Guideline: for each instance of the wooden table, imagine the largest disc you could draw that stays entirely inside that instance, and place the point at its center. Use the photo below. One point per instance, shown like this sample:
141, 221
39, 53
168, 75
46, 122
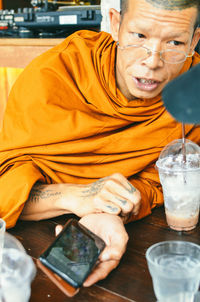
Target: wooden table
130, 281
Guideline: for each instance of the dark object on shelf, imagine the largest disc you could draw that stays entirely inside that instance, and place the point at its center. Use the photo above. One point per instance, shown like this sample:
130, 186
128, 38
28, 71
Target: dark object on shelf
48, 19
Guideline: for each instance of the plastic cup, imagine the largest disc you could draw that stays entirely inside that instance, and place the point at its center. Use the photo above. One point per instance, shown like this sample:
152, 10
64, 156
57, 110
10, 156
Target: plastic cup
2, 233
175, 270
180, 179
17, 272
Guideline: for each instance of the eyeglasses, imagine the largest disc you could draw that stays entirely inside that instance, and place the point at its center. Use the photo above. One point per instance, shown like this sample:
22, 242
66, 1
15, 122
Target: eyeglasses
170, 56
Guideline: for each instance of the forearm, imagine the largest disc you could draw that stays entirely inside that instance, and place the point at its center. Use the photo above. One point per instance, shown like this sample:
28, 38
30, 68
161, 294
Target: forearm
112, 194
45, 202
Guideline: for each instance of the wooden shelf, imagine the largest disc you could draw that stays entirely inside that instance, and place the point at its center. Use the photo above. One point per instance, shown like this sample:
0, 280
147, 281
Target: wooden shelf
19, 52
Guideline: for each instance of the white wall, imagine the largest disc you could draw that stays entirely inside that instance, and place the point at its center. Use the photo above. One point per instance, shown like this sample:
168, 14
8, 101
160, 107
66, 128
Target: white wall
105, 6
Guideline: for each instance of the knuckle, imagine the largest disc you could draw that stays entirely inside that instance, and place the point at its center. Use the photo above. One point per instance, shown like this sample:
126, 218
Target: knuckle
129, 206
137, 196
117, 175
108, 183
127, 210
103, 191
97, 201
124, 238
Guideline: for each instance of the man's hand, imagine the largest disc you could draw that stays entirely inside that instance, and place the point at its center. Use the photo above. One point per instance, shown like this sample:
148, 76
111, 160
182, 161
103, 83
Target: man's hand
113, 194
111, 229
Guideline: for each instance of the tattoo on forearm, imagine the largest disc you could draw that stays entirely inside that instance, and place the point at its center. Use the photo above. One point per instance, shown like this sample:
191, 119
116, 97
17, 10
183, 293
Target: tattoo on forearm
38, 193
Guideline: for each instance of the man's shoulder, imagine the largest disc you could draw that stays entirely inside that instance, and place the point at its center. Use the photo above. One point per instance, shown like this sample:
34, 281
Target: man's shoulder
84, 38
83, 47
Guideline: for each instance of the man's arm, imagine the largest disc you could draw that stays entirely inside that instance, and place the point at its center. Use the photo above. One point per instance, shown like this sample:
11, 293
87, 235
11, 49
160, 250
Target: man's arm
44, 202
113, 194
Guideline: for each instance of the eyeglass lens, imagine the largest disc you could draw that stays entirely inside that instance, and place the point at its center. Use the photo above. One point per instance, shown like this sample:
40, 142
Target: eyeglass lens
142, 53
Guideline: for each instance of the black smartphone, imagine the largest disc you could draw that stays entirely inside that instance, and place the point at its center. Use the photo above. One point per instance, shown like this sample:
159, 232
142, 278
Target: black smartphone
72, 255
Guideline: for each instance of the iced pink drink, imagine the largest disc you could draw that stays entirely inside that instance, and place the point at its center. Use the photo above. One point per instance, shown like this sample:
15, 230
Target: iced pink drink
180, 181
181, 199
180, 223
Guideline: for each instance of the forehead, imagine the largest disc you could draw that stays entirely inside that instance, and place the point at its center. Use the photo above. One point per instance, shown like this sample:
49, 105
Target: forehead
162, 13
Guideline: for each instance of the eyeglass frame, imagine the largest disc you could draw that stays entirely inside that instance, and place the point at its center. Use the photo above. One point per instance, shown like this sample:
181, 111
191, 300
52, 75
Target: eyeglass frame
151, 51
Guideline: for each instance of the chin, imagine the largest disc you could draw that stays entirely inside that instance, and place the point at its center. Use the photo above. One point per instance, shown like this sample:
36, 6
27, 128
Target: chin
145, 94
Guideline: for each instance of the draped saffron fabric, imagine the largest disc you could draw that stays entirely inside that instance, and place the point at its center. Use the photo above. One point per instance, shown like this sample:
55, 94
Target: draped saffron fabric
66, 122
8, 76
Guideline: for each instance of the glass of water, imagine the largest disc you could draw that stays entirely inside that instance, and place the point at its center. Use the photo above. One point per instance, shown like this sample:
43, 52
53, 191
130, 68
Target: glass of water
17, 271
175, 270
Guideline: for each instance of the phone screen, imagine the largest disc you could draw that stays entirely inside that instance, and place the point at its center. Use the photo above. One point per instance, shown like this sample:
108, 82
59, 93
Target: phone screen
74, 253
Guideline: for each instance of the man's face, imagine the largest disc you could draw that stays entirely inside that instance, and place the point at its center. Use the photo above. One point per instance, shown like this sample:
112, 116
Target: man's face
157, 29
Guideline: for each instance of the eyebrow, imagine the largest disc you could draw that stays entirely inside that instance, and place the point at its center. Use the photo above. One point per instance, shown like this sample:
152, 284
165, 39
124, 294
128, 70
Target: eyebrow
178, 35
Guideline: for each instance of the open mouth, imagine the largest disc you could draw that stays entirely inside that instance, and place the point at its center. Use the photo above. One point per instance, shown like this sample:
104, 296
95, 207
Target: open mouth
146, 84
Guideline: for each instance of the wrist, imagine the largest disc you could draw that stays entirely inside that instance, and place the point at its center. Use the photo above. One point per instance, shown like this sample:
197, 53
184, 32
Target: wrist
63, 203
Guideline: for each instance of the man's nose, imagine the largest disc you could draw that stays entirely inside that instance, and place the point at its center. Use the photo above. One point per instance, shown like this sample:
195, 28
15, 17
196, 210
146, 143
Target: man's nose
153, 59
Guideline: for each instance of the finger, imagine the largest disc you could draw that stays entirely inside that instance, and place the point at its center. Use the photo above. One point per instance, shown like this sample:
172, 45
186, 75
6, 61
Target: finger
121, 186
106, 206
124, 181
114, 252
122, 203
137, 206
100, 272
58, 229
137, 203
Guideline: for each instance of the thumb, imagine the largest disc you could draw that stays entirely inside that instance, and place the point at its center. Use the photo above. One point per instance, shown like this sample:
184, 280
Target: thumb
111, 253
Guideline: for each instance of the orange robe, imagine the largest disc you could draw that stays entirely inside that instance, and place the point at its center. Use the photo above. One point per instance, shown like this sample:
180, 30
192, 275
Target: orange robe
66, 122
8, 76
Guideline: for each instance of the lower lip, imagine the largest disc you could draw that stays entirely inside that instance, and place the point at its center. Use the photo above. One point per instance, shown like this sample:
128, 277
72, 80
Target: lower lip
145, 86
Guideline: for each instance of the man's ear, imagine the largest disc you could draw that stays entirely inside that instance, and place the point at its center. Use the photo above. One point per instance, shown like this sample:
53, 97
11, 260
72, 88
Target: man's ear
114, 23
195, 39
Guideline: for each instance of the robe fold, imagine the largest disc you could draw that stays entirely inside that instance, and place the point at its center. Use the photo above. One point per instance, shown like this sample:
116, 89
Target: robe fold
67, 122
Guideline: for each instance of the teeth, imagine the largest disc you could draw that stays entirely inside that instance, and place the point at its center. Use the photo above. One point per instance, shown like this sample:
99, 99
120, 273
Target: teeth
144, 81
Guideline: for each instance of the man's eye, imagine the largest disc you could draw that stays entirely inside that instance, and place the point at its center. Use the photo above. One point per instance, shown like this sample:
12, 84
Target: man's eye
175, 43
138, 35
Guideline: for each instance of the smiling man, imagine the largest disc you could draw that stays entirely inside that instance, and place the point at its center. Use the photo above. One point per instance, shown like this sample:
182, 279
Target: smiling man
85, 123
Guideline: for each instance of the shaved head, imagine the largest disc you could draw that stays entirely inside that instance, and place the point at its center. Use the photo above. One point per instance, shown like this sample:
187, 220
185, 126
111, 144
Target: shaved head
174, 4
166, 4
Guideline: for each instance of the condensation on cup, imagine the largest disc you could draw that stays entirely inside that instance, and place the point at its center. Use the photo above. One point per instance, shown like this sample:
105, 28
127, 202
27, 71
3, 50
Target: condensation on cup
179, 172
17, 271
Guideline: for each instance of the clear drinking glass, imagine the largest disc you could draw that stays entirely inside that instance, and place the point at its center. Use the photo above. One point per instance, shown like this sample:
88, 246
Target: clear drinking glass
17, 271
175, 270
